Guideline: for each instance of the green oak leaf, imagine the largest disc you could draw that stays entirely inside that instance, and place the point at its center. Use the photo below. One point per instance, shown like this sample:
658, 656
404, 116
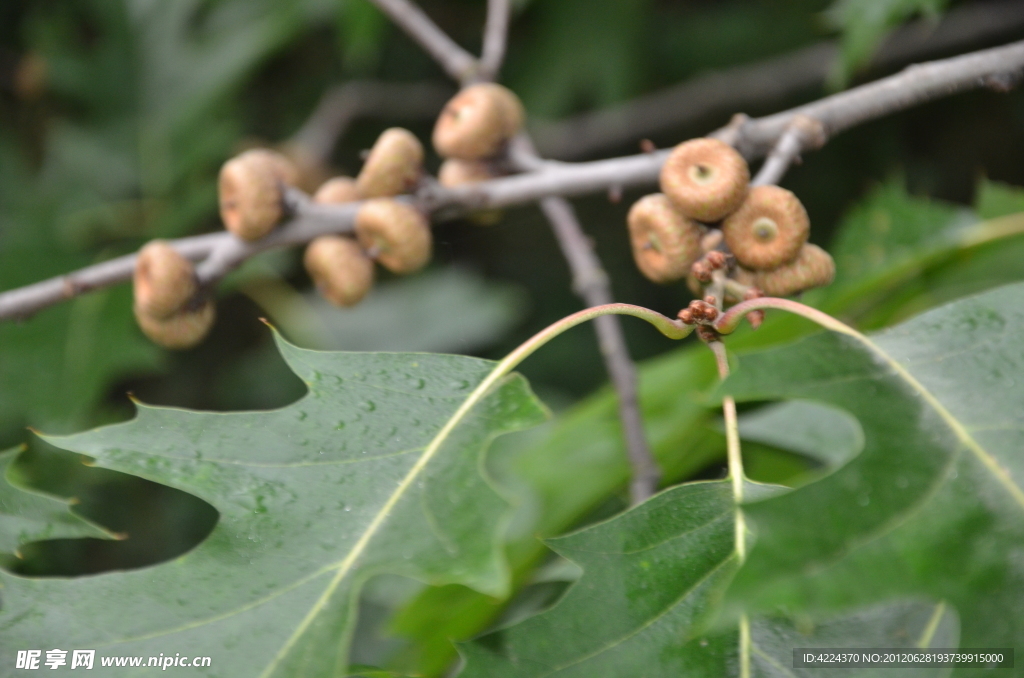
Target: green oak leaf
26, 515
369, 473
933, 505
652, 577
904, 254
907, 624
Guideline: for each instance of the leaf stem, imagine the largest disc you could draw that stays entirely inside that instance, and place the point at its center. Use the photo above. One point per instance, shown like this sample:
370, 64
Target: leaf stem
735, 457
673, 329
730, 320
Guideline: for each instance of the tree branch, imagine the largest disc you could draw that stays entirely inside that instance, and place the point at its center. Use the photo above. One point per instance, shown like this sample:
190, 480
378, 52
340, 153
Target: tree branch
495, 38
591, 283
910, 87
457, 62
803, 133
754, 137
768, 81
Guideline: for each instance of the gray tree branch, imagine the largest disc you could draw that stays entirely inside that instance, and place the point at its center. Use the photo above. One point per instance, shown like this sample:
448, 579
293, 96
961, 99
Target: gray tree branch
495, 38
764, 82
755, 137
457, 62
591, 283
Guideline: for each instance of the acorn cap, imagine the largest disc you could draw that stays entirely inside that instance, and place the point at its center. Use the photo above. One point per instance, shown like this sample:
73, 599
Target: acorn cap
665, 243
398, 235
337, 191
768, 229
251, 190
163, 280
813, 267
394, 165
184, 329
477, 122
455, 172
706, 178
340, 268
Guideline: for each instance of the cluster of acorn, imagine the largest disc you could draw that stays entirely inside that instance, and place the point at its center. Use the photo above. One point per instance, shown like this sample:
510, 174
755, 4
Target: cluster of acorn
709, 219
471, 131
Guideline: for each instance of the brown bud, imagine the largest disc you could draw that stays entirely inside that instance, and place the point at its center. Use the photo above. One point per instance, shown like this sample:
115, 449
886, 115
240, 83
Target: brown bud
706, 179
183, 329
665, 243
477, 122
164, 280
703, 310
394, 165
715, 259
768, 229
686, 315
701, 270
707, 334
397, 233
455, 172
813, 267
755, 318
339, 267
337, 191
251, 188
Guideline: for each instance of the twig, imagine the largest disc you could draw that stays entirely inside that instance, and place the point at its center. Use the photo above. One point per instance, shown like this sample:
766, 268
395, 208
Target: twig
801, 135
495, 38
762, 83
754, 137
343, 104
457, 62
912, 86
589, 279
591, 283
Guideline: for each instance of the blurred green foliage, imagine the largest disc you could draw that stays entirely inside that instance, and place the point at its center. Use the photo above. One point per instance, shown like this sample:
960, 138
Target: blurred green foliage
116, 114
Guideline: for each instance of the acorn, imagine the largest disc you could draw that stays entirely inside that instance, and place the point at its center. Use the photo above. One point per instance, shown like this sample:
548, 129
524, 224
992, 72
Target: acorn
665, 243
181, 330
813, 267
396, 234
164, 280
768, 229
455, 172
394, 165
337, 191
705, 178
251, 189
477, 122
340, 268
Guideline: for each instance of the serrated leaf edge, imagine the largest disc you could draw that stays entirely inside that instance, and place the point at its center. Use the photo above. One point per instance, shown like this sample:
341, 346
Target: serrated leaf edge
345, 565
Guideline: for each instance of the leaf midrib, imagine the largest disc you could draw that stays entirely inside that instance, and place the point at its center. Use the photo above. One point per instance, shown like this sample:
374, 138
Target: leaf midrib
1000, 474
345, 565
